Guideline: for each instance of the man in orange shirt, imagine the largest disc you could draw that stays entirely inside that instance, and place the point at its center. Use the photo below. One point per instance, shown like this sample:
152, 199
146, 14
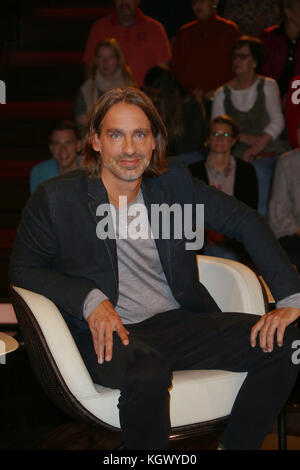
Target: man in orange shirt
202, 49
143, 40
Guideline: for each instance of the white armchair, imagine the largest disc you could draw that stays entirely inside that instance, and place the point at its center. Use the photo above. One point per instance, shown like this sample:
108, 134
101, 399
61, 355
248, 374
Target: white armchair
199, 399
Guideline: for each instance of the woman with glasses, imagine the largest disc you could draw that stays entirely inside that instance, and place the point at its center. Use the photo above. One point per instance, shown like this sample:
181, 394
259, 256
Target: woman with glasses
228, 174
253, 101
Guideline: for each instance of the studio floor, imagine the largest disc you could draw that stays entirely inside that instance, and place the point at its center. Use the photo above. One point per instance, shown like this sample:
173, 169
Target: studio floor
29, 421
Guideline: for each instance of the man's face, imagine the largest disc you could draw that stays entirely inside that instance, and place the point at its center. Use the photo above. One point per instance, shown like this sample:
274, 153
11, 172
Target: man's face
126, 10
126, 143
203, 9
64, 147
293, 14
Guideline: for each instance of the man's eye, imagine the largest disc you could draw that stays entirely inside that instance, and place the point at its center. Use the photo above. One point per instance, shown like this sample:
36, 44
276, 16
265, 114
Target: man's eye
115, 135
140, 135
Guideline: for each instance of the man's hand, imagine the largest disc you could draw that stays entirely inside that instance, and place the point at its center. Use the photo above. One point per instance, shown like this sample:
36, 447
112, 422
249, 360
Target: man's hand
103, 321
277, 319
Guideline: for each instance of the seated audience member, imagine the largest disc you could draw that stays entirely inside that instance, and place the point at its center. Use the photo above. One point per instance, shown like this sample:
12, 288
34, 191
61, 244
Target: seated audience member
109, 71
201, 50
64, 146
143, 40
251, 16
282, 46
253, 101
228, 174
182, 114
284, 209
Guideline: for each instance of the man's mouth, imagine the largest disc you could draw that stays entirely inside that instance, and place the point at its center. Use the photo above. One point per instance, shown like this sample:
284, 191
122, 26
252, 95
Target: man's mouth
130, 163
125, 7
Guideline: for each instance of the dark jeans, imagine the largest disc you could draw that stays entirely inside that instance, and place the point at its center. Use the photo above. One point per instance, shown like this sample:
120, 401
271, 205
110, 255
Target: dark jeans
185, 340
291, 245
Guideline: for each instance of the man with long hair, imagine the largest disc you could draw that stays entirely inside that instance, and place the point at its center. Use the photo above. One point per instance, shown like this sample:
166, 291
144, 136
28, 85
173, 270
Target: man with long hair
134, 304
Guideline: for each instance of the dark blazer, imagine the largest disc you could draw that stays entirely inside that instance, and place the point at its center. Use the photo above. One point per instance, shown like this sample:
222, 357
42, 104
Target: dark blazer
58, 254
245, 184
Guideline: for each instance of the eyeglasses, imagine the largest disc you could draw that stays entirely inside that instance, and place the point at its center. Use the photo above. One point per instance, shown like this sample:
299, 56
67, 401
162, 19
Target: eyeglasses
221, 134
240, 56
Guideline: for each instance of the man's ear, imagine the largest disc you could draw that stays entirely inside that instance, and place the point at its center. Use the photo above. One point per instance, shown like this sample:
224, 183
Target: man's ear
153, 143
96, 144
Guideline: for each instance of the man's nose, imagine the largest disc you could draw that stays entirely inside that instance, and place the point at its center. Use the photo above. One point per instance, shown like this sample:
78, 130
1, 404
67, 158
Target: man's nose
129, 145
63, 149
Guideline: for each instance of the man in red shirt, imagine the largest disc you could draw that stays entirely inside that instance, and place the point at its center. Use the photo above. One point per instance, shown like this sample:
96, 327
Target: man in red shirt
202, 49
143, 40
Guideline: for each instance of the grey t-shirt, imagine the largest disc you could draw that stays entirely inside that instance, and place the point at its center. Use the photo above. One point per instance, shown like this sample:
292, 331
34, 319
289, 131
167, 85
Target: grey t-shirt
143, 288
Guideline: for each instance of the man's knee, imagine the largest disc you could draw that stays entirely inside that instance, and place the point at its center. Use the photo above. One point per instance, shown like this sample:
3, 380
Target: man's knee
149, 372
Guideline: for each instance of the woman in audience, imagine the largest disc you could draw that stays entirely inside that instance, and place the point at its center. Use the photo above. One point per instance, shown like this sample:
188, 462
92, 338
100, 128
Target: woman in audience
229, 174
109, 71
182, 114
253, 101
282, 44
284, 209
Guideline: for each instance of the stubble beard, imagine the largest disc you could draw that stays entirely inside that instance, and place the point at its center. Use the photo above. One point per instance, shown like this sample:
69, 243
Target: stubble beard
128, 174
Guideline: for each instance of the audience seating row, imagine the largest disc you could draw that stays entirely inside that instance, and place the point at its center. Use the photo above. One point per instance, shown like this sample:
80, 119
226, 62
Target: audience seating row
28, 110
86, 12
42, 82
19, 56
56, 32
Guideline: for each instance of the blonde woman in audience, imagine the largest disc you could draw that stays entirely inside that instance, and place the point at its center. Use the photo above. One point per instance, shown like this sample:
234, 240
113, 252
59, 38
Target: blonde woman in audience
109, 71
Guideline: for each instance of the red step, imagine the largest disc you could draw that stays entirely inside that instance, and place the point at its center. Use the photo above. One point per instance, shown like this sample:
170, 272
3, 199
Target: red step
37, 110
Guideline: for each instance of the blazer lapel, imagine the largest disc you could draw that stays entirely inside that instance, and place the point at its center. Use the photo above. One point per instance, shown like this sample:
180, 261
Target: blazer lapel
152, 194
98, 194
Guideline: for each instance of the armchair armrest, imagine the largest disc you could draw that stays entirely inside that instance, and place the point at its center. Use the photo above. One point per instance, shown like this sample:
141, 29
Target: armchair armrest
234, 286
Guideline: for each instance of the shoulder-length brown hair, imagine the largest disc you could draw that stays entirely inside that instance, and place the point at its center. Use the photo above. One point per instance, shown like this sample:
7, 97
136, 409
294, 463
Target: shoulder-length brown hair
92, 159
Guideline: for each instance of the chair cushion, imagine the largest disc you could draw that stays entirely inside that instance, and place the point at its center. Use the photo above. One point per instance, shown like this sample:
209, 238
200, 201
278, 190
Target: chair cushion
196, 396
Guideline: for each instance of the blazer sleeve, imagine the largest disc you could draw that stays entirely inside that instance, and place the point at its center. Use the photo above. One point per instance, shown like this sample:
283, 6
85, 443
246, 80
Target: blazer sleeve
33, 261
